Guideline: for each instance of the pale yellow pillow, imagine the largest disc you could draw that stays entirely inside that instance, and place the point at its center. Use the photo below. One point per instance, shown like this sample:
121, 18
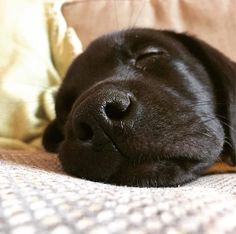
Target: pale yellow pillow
36, 48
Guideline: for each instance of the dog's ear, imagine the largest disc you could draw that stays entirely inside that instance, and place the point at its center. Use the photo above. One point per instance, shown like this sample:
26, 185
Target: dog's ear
52, 137
54, 133
222, 72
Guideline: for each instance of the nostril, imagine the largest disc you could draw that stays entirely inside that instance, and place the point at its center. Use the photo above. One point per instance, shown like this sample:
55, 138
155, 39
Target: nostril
117, 110
84, 132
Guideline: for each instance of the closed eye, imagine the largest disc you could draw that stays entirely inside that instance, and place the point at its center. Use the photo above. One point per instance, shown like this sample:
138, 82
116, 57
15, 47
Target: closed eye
144, 56
150, 51
149, 55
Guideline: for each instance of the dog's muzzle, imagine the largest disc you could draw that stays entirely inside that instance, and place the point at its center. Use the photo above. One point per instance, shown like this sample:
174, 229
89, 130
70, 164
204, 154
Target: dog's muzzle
102, 116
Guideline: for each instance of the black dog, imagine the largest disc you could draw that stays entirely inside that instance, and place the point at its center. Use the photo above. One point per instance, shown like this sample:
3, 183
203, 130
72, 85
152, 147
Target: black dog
143, 107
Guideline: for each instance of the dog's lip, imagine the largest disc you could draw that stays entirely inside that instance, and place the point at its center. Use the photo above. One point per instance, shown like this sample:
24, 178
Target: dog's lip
133, 174
144, 169
112, 141
140, 168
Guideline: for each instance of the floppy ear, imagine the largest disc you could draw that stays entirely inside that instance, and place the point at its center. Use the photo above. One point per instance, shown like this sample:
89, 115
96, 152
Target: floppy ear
222, 72
52, 137
54, 134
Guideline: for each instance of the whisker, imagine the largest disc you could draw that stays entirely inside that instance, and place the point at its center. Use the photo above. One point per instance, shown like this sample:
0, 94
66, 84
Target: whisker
205, 134
139, 13
222, 121
130, 17
226, 139
228, 143
221, 117
116, 14
229, 126
211, 118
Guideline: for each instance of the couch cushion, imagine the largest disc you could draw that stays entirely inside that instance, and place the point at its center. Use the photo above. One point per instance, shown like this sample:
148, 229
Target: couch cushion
212, 21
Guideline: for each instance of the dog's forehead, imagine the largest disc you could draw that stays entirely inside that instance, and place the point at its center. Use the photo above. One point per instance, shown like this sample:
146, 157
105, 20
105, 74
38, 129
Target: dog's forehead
113, 54
132, 40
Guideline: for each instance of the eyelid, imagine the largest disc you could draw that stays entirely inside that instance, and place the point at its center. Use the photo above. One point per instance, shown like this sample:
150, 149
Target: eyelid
149, 51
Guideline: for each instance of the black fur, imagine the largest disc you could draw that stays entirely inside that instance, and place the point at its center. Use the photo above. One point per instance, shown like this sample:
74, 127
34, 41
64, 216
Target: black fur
144, 107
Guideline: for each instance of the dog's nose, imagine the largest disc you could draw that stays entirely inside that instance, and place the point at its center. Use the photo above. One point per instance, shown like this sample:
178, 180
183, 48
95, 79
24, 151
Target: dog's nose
99, 112
117, 108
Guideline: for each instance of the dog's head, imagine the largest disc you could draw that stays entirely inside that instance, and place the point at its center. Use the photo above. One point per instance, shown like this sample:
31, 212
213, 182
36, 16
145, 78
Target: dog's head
144, 107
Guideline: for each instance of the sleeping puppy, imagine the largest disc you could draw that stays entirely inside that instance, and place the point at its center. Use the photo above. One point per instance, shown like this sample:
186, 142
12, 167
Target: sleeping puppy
144, 107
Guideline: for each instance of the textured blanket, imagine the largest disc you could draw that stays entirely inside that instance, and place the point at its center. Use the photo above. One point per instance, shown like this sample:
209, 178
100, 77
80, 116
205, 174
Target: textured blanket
37, 197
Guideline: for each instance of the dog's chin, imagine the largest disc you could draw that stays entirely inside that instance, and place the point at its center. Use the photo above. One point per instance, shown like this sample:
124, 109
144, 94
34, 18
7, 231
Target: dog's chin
162, 173
114, 168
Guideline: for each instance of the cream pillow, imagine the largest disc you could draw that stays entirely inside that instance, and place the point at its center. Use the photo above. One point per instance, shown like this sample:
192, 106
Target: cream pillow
36, 48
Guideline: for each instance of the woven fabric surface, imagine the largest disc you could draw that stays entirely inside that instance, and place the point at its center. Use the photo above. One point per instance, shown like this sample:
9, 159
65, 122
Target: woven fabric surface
37, 197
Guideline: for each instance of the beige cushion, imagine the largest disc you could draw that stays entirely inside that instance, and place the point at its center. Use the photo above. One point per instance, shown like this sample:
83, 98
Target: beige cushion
212, 21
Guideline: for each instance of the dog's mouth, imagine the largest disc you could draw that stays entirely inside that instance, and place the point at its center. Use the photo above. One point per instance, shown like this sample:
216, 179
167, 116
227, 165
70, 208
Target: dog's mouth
112, 165
131, 173
126, 161
141, 175
159, 173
